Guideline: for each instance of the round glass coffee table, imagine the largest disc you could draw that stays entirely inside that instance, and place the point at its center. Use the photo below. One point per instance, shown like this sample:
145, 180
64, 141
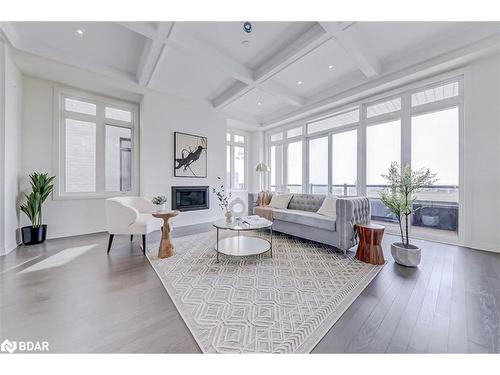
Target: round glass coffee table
242, 246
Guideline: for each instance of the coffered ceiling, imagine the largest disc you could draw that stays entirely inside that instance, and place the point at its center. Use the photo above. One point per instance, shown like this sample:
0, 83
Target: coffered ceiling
264, 77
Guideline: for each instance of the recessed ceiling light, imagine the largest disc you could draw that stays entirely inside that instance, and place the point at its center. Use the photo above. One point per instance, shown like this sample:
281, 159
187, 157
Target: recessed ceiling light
299, 83
330, 66
259, 103
79, 31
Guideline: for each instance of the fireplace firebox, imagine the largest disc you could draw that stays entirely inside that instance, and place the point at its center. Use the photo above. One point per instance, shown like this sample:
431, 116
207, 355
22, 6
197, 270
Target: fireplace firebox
190, 198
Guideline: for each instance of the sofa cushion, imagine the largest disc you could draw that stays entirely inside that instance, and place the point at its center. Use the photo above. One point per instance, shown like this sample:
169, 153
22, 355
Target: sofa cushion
306, 202
329, 207
280, 200
311, 219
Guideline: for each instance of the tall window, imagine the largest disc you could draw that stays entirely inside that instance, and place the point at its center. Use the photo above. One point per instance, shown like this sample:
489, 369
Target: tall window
344, 163
318, 165
276, 163
79, 156
236, 161
416, 126
294, 167
383, 146
118, 158
96, 146
435, 145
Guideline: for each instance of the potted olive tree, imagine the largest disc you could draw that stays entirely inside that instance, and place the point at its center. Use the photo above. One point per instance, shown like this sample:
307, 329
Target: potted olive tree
399, 198
41, 187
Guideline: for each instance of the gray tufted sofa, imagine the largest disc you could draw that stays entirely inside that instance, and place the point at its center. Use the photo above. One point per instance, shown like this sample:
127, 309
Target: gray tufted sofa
300, 219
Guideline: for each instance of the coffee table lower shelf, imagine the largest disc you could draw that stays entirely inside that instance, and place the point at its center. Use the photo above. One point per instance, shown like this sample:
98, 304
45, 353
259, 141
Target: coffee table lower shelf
242, 246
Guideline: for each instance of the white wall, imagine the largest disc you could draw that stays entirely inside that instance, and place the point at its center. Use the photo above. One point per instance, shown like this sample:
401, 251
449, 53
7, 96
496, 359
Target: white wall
482, 154
63, 217
161, 116
257, 155
2, 147
11, 149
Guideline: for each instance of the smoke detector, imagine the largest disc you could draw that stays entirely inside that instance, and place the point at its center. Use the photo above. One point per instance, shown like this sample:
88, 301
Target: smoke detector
247, 27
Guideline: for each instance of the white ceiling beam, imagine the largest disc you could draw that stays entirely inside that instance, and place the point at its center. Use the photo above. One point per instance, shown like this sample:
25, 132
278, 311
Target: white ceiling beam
239, 89
348, 37
152, 52
305, 43
396, 75
201, 52
231, 94
208, 55
243, 117
141, 28
54, 54
76, 61
281, 92
9, 33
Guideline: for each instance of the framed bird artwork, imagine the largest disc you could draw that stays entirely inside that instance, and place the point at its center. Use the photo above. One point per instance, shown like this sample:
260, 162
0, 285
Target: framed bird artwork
190, 155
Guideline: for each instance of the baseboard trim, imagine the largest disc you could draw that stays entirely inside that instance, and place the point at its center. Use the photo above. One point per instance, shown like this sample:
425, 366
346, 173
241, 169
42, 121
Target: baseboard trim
6, 250
186, 230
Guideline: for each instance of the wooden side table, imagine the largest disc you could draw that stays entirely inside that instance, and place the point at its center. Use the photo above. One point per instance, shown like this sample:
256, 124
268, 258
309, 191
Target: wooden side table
166, 248
370, 239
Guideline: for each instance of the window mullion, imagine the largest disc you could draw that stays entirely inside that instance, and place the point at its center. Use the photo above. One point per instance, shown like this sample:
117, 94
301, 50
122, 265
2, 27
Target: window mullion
306, 186
232, 173
100, 150
406, 129
280, 161
285, 165
330, 163
361, 158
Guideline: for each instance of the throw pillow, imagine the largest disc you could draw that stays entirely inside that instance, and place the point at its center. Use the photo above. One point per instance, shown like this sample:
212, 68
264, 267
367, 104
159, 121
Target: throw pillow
264, 198
280, 200
329, 207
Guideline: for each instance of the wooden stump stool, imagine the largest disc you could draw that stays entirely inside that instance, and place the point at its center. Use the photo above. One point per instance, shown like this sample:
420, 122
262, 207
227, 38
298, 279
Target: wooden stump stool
370, 239
166, 248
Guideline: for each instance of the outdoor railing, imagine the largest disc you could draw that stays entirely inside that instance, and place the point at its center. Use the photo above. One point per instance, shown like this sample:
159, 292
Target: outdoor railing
345, 189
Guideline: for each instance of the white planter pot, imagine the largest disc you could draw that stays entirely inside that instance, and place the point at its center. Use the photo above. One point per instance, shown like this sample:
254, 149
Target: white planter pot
406, 256
161, 207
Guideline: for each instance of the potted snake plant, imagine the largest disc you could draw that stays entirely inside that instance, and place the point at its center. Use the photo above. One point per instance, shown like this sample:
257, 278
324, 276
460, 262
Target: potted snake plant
41, 188
403, 184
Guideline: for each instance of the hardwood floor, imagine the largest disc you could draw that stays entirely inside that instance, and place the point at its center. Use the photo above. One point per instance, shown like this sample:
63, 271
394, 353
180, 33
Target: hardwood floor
70, 293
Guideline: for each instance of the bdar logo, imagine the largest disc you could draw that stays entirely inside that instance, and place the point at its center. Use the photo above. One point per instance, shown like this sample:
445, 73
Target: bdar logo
8, 346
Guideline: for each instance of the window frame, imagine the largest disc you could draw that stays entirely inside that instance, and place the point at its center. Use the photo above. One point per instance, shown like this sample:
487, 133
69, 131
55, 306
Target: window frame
344, 110
60, 114
232, 143
404, 115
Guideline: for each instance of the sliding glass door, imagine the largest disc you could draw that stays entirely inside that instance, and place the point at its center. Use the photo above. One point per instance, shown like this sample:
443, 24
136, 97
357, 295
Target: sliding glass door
435, 145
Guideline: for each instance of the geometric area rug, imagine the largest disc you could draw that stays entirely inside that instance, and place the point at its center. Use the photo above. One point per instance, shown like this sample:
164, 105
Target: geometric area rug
259, 304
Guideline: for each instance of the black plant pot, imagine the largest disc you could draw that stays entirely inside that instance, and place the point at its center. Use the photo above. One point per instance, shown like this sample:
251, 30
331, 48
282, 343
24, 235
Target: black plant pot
34, 235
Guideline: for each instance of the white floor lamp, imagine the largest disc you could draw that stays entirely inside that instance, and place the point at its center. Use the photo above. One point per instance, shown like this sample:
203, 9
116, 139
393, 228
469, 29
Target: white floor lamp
261, 168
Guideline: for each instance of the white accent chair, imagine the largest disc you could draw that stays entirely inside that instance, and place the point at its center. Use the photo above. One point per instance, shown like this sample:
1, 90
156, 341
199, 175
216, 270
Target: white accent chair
131, 215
